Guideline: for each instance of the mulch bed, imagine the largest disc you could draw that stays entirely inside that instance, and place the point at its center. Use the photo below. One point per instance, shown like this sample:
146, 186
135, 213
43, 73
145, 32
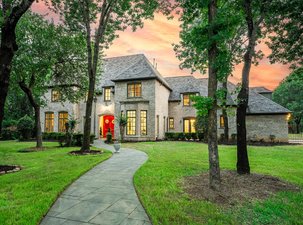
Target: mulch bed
235, 188
9, 169
90, 152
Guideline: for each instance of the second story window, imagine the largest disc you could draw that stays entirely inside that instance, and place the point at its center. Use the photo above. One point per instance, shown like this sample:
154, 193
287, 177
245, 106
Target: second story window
134, 90
187, 99
55, 96
107, 93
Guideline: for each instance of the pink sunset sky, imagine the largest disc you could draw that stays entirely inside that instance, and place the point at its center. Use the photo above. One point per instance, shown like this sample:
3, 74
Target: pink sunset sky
155, 40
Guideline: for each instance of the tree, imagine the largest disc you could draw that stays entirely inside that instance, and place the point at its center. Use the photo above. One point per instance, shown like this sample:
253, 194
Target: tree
10, 13
289, 94
48, 55
108, 16
284, 26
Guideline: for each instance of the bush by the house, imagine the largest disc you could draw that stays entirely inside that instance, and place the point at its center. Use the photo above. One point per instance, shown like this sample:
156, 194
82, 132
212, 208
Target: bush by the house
233, 137
180, 136
109, 137
25, 127
272, 138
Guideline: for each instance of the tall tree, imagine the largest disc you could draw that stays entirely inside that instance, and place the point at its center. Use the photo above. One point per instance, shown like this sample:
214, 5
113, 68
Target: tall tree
206, 31
254, 18
48, 55
10, 13
289, 94
107, 17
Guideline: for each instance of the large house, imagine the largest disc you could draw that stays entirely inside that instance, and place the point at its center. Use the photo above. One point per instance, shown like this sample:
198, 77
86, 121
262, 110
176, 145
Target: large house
153, 104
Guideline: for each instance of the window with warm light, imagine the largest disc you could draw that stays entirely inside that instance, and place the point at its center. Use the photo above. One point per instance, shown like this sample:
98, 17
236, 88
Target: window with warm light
131, 122
134, 90
189, 125
187, 99
49, 122
62, 119
171, 123
107, 94
221, 121
143, 122
55, 96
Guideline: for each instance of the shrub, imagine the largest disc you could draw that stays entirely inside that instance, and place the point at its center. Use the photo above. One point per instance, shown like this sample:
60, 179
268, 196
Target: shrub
176, 136
77, 139
109, 137
9, 134
9, 123
194, 136
200, 136
181, 136
188, 136
169, 136
25, 126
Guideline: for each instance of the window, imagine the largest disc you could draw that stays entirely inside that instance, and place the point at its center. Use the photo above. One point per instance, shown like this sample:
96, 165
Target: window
221, 121
143, 118
186, 99
189, 125
49, 122
107, 92
157, 125
63, 119
171, 123
134, 90
131, 122
55, 96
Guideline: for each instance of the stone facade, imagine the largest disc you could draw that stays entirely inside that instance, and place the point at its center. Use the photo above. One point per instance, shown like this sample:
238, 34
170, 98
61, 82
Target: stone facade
162, 99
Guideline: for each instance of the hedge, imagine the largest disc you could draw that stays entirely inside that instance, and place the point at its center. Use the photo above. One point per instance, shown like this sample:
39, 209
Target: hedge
180, 136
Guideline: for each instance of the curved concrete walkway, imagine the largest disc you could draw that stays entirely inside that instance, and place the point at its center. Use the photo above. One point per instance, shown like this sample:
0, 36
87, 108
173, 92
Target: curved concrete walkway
104, 195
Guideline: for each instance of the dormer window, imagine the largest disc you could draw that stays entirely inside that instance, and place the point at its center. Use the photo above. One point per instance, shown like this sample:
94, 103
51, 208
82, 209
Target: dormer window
134, 90
56, 96
107, 94
186, 99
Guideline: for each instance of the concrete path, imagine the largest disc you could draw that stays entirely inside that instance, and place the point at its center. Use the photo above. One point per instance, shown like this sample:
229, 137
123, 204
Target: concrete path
104, 195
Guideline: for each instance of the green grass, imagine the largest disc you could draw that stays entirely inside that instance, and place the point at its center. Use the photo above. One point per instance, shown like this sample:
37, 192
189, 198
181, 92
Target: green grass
158, 184
27, 195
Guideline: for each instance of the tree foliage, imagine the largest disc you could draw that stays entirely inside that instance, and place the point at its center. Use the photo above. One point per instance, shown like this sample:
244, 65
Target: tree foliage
290, 95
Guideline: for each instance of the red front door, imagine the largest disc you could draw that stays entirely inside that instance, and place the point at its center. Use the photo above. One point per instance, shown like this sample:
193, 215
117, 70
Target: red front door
108, 123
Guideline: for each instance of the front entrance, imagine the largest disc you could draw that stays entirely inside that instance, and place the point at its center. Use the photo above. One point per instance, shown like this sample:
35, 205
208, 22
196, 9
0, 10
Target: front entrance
108, 122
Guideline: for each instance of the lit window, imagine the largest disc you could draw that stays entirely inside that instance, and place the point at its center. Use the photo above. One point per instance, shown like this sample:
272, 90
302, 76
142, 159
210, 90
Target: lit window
171, 123
55, 96
189, 125
49, 122
134, 90
221, 121
187, 99
63, 119
131, 122
143, 118
107, 94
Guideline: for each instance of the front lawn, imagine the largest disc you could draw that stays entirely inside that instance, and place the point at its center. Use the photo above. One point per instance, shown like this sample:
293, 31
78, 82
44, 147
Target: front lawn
158, 184
27, 195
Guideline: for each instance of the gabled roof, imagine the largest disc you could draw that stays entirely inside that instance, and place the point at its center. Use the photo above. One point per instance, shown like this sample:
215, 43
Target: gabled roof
261, 89
258, 104
189, 84
127, 68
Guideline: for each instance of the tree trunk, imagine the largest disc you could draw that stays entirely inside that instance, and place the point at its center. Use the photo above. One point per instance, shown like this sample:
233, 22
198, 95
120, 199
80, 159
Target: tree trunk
224, 113
7, 51
298, 127
214, 169
242, 155
9, 46
36, 107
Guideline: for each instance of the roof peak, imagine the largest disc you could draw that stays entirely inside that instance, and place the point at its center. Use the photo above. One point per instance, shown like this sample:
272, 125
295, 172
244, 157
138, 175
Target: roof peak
122, 56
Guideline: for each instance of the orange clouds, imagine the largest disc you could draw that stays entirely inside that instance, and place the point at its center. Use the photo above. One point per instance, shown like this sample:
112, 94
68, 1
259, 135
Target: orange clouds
155, 41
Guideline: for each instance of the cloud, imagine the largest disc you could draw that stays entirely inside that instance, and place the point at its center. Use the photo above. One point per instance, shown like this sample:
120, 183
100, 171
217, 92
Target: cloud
155, 40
